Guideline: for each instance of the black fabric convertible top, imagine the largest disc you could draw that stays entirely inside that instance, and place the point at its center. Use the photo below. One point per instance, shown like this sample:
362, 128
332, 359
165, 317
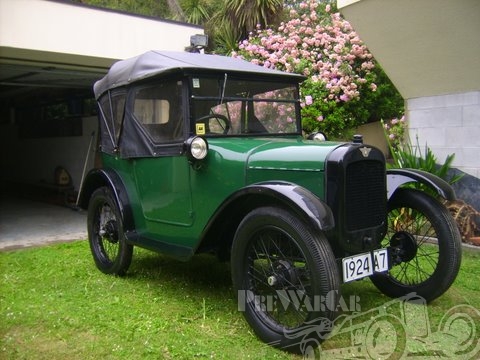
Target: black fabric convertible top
153, 63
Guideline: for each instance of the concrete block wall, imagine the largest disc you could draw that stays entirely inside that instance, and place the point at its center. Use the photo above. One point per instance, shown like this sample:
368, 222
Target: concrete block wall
448, 124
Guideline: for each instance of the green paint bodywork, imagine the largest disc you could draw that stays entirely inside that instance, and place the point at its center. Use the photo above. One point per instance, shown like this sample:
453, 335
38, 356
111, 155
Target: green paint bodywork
172, 202
151, 107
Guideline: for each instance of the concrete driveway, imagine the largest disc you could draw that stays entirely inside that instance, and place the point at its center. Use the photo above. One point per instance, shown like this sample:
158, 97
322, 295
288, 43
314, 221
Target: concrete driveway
25, 223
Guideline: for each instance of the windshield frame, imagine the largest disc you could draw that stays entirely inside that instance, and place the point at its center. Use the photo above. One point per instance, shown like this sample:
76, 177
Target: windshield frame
249, 100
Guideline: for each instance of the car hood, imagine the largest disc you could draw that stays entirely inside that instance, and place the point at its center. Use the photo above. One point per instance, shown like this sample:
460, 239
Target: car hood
276, 153
281, 154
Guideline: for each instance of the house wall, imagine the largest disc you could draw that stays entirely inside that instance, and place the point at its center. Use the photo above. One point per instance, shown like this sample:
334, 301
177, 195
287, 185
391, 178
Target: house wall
448, 124
373, 134
55, 31
426, 47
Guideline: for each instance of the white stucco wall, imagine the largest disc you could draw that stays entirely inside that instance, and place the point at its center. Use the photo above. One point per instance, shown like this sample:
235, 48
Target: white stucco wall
448, 124
426, 47
65, 28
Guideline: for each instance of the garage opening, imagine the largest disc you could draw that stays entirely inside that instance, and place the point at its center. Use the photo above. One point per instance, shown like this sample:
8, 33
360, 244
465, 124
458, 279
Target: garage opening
48, 125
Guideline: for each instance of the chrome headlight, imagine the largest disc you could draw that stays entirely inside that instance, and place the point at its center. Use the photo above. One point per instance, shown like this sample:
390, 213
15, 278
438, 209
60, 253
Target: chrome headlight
196, 148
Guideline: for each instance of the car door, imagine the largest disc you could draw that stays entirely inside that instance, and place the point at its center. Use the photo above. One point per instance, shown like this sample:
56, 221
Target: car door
162, 179
164, 189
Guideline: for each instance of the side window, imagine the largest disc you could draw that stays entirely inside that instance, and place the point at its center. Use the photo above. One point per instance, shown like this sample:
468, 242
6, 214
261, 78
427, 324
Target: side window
152, 111
158, 109
112, 108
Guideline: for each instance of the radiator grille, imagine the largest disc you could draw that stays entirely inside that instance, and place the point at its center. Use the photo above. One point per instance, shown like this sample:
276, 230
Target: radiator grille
365, 194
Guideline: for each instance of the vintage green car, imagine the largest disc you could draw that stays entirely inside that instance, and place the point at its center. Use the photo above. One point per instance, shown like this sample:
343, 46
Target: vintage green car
204, 153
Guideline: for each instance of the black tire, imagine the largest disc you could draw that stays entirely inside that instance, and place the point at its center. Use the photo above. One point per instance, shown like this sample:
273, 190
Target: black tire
287, 278
108, 245
426, 246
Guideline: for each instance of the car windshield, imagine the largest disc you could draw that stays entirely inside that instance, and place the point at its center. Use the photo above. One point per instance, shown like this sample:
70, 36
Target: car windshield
230, 106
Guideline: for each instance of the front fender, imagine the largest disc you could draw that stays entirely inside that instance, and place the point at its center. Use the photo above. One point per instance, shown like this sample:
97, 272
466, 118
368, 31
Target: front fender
221, 228
398, 177
303, 202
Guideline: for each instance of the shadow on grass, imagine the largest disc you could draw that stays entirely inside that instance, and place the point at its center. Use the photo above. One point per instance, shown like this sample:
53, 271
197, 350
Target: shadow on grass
203, 270
205, 275
203, 279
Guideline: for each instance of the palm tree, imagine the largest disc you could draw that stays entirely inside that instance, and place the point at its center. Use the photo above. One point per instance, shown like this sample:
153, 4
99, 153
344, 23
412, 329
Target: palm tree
235, 19
196, 11
247, 14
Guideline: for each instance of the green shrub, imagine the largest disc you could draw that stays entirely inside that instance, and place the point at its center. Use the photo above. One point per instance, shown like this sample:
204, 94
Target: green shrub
404, 155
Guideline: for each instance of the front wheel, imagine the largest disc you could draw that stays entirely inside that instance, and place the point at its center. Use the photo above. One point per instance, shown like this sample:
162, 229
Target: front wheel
108, 245
425, 247
286, 278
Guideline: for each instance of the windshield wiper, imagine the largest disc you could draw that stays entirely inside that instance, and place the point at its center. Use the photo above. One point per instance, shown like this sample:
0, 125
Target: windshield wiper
223, 88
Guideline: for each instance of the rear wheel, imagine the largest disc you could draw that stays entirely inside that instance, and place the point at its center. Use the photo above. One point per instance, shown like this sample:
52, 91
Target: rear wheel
425, 246
108, 245
286, 278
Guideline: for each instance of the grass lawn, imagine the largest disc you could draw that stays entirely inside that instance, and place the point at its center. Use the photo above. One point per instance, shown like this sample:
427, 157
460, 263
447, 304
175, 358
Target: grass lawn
55, 304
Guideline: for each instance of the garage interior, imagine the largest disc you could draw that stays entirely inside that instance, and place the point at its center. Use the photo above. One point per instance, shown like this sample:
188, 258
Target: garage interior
51, 53
48, 122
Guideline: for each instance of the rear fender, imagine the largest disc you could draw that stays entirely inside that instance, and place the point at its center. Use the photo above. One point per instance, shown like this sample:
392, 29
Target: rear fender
97, 178
398, 177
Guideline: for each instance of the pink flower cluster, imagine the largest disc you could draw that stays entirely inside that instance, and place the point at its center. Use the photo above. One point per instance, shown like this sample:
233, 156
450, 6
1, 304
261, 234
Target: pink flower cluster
395, 130
322, 46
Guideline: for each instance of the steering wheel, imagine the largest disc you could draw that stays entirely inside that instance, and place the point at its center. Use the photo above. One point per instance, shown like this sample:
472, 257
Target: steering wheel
215, 116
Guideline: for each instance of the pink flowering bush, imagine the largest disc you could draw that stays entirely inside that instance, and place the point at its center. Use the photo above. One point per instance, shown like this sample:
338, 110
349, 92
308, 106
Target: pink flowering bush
339, 92
395, 131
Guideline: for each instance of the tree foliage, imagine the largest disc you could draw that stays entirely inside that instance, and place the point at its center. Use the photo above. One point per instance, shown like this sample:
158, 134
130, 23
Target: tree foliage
248, 14
156, 8
233, 20
341, 91
196, 11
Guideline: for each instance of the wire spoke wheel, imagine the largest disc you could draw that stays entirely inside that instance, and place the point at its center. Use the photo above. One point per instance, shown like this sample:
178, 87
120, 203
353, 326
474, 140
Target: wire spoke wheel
425, 247
278, 270
106, 231
285, 269
417, 242
111, 253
